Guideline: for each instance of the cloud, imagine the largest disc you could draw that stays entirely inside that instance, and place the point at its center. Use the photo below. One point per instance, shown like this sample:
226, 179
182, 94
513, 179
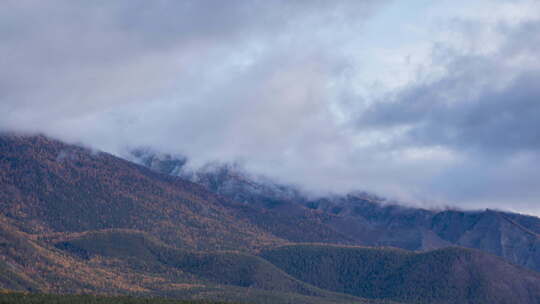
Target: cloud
79, 58
200, 72
483, 111
332, 95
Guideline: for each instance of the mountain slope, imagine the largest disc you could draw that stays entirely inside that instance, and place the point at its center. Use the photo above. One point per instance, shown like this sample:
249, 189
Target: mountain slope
496, 232
451, 275
144, 253
47, 186
359, 218
277, 209
31, 265
76, 221
492, 231
134, 263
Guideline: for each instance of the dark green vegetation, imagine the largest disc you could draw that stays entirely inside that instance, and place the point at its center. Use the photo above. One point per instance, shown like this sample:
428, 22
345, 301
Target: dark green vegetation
451, 275
227, 268
134, 263
77, 221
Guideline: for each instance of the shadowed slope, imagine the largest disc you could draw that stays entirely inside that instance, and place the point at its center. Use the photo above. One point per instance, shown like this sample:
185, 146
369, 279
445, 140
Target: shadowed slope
495, 232
451, 275
135, 263
358, 218
227, 268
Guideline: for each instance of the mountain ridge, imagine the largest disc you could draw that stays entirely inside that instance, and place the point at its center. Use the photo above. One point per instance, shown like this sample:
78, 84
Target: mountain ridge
364, 219
80, 221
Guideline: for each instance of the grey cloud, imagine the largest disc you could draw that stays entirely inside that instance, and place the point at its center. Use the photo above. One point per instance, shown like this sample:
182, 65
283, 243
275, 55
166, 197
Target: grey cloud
268, 84
74, 58
481, 103
496, 120
227, 80
485, 111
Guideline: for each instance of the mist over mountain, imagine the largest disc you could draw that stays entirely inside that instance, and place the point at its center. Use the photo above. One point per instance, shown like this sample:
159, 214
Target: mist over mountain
432, 103
251, 151
366, 219
75, 220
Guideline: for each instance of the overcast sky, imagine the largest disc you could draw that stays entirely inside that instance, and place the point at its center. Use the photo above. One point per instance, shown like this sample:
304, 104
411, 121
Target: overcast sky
431, 102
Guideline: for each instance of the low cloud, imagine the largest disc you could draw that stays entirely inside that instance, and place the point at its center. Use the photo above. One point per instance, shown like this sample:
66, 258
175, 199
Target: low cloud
331, 95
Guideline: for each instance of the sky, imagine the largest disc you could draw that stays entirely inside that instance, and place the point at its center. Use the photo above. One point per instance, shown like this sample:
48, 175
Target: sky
433, 103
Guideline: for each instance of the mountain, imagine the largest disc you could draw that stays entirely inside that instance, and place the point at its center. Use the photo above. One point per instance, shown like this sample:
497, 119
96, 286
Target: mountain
73, 220
50, 187
450, 275
363, 219
274, 207
511, 236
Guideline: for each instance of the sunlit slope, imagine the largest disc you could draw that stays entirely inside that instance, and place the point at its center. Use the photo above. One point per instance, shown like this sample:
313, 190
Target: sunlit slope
47, 186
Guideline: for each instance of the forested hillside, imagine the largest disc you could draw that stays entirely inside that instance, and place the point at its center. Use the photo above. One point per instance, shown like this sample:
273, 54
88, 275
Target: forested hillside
359, 218
451, 275
50, 187
76, 221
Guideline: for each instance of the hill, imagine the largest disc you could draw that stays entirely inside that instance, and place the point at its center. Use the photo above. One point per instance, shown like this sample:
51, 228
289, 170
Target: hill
136, 264
32, 265
142, 253
450, 275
